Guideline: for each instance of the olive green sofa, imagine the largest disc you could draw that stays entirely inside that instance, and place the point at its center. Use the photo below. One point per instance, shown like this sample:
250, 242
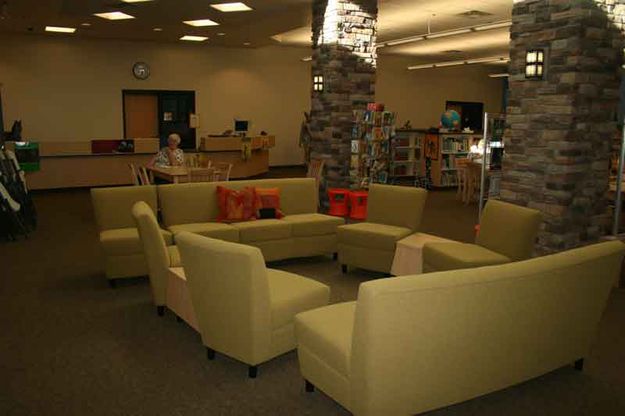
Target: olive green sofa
193, 208
412, 344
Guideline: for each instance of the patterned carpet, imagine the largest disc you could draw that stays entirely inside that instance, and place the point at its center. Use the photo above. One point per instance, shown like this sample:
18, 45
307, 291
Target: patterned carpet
70, 345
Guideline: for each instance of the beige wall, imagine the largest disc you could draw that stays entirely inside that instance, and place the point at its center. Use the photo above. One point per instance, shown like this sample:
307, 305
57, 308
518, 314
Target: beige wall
420, 95
66, 88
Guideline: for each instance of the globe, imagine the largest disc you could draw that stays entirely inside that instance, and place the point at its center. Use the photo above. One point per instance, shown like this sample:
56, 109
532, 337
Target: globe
450, 120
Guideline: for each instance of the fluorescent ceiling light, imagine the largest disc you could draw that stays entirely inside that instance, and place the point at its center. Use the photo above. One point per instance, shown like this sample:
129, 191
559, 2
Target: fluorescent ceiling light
448, 33
58, 29
136, 1
200, 23
490, 26
158, 29
502, 75
114, 16
231, 7
487, 60
221, 34
403, 41
456, 63
85, 24
461, 31
247, 43
194, 38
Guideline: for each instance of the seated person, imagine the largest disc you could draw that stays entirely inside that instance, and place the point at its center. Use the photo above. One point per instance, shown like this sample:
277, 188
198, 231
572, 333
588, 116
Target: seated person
170, 155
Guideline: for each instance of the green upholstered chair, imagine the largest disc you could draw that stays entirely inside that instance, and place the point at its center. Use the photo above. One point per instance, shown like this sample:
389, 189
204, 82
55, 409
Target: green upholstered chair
159, 256
393, 212
243, 309
507, 233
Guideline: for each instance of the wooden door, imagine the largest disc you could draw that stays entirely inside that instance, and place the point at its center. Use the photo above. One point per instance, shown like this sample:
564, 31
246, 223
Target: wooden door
141, 116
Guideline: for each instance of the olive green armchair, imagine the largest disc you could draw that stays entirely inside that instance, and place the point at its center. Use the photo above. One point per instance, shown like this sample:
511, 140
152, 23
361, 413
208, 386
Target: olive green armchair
507, 233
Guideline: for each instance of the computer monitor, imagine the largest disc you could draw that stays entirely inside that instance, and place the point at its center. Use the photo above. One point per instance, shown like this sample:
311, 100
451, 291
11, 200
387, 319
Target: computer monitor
241, 126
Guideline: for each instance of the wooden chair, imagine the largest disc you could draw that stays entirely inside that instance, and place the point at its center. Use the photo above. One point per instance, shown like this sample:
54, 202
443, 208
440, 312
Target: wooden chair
223, 171
135, 180
202, 175
462, 167
144, 177
315, 170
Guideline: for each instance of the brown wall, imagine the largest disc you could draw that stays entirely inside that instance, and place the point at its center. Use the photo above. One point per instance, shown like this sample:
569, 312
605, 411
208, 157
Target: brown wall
67, 88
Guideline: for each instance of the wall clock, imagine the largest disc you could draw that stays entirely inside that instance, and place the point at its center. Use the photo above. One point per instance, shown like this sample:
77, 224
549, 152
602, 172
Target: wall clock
141, 70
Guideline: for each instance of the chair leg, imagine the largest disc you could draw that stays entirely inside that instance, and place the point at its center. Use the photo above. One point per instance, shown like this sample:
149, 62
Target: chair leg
112, 283
579, 364
344, 268
210, 353
252, 371
309, 386
160, 310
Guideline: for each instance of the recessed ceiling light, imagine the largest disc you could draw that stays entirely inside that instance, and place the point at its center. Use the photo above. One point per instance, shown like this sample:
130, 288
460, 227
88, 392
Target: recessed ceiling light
158, 29
135, 1
221, 34
231, 7
194, 38
201, 22
114, 16
247, 43
58, 29
85, 24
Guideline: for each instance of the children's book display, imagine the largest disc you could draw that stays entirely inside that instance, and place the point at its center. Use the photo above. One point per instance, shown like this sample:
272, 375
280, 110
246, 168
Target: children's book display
371, 135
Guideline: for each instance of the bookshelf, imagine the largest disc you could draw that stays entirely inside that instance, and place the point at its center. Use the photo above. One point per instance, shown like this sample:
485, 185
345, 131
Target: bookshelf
442, 150
370, 147
405, 159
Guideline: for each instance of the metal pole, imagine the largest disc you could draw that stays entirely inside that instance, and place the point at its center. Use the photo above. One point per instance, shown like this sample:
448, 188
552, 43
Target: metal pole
483, 177
619, 179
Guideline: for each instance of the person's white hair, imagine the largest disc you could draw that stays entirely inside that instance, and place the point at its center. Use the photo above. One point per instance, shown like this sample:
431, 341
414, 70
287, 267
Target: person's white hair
174, 137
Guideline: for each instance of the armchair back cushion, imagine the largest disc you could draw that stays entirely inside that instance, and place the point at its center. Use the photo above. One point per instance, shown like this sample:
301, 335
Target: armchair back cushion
509, 229
400, 206
427, 341
154, 249
230, 295
113, 206
197, 202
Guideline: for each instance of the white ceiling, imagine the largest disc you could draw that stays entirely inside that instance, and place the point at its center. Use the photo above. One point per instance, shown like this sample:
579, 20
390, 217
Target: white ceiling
288, 21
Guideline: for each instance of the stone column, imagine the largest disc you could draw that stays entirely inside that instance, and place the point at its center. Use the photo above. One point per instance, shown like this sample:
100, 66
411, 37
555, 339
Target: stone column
344, 53
560, 128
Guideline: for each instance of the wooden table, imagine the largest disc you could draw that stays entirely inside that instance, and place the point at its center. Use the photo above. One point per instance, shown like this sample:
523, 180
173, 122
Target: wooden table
179, 298
170, 174
409, 253
178, 174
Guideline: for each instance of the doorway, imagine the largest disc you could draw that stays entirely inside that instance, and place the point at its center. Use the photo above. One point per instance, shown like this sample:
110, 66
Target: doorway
157, 113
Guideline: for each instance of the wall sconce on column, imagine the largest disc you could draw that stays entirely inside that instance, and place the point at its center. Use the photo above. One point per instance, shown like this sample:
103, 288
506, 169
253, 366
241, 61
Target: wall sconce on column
535, 64
318, 83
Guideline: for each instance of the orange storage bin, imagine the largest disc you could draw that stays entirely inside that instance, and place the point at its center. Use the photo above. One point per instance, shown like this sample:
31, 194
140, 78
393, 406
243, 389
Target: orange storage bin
338, 199
358, 202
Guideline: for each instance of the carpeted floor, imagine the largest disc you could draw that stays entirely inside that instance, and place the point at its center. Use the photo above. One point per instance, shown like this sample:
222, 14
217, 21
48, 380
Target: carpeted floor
70, 345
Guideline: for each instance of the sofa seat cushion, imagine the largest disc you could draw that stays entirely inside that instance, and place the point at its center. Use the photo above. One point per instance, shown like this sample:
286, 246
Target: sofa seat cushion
263, 230
307, 225
216, 230
453, 256
327, 333
371, 235
125, 241
291, 294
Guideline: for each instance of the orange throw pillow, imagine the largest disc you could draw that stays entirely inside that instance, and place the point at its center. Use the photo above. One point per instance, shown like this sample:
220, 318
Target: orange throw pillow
268, 198
236, 206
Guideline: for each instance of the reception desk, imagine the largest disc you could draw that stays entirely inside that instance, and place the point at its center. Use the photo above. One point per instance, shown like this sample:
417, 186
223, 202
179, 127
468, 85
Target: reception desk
254, 162
74, 164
